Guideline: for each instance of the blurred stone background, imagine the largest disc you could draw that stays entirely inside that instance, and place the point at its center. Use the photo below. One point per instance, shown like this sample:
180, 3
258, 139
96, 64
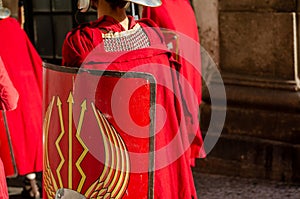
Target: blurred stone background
255, 44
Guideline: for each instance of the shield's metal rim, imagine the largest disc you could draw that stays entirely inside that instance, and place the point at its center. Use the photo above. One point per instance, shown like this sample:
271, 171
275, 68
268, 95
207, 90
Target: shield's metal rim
123, 74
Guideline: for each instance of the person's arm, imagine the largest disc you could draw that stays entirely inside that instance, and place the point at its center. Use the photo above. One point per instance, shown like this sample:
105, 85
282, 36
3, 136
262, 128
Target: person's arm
78, 44
8, 94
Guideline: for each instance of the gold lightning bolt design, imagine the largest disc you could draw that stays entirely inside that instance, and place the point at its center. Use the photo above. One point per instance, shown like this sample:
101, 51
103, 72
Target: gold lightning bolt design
70, 172
58, 141
85, 151
114, 179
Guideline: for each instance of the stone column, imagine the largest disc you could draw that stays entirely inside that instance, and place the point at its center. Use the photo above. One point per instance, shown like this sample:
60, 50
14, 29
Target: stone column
258, 59
207, 18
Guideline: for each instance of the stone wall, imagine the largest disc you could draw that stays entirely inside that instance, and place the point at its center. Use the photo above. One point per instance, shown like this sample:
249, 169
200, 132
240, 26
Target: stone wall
257, 54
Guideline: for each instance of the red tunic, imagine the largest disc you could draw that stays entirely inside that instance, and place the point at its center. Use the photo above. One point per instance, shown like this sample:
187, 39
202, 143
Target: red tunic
183, 23
173, 176
24, 67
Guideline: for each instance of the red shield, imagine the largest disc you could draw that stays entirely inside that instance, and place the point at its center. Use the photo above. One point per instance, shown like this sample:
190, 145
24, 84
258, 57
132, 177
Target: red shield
98, 132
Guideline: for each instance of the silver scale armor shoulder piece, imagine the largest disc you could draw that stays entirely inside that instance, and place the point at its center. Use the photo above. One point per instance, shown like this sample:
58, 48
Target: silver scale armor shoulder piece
128, 40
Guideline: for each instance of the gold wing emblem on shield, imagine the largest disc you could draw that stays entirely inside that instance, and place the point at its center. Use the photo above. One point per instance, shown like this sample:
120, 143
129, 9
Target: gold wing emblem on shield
114, 179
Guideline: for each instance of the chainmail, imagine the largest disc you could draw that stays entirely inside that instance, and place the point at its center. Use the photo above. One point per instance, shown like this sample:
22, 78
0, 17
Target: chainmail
128, 40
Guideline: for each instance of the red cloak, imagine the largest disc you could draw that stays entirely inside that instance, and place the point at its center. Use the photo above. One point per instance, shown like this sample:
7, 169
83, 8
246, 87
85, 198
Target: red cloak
172, 180
168, 16
24, 67
3, 186
8, 94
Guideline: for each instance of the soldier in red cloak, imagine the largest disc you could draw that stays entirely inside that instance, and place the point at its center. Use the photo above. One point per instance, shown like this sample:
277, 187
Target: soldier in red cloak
117, 42
24, 66
8, 101
167, 16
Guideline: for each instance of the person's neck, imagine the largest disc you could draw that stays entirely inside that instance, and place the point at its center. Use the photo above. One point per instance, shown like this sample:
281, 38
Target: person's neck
119, 14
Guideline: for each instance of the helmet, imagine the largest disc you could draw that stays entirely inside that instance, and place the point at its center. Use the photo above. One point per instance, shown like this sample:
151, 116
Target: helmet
149, 3
4, 12
84, 5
